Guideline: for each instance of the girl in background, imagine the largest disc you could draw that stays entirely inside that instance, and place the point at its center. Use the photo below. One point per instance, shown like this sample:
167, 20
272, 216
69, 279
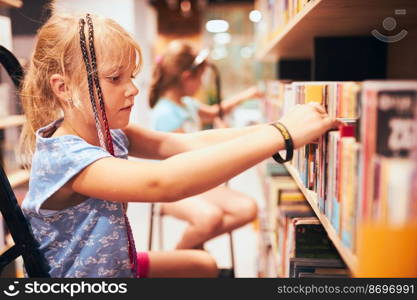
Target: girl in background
176, 78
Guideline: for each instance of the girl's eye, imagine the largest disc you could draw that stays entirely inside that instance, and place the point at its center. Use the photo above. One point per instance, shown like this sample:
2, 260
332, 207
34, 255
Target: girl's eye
114, 78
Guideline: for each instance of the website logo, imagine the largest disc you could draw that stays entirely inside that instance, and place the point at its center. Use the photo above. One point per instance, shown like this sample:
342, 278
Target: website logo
11, 290
390, 24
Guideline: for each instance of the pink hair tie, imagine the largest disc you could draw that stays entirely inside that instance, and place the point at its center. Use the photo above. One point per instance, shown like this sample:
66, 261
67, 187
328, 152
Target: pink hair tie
159, 59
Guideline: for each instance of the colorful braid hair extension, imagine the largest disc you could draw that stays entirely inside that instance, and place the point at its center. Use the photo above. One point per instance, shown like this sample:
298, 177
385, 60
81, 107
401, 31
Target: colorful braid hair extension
97, 84
84, 50
92, 76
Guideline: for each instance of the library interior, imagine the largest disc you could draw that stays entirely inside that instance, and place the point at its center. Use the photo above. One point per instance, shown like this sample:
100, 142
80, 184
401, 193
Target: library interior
208, 188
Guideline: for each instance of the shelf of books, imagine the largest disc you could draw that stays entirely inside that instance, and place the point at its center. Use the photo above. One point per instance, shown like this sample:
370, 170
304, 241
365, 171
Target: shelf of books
348, 257
13, 120
360, 179
292, 240
288, 27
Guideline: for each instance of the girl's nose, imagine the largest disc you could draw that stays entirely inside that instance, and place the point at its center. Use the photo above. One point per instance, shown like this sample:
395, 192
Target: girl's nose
132, 90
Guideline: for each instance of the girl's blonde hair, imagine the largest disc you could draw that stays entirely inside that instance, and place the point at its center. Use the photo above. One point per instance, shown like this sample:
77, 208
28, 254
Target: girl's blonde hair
57, 51
178, 58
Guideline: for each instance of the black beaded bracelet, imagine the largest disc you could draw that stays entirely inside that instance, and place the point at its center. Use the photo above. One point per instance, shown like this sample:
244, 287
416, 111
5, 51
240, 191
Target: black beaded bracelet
289, 145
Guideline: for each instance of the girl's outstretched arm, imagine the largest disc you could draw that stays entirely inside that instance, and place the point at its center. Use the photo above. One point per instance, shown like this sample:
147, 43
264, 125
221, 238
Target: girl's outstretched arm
196, 171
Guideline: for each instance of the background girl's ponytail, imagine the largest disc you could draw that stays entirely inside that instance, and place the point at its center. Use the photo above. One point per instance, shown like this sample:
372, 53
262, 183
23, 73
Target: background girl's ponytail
155, 89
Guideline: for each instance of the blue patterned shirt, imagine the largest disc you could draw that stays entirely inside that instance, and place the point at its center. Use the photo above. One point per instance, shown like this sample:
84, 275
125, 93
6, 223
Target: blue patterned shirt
86, 240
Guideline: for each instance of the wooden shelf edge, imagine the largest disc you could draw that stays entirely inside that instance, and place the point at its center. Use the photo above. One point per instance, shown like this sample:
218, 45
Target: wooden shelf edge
263, 53
348, 257
12, 3
13, 120
19, 177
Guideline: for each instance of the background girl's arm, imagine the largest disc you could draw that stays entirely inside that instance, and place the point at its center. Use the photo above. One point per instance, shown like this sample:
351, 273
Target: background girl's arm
209, 112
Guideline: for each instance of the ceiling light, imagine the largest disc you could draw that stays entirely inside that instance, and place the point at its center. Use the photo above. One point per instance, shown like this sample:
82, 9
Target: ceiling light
255, 16
217, 26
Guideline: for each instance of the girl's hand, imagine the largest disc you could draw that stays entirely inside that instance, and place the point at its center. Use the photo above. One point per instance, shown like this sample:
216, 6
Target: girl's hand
307, 122
252, 92
249, 93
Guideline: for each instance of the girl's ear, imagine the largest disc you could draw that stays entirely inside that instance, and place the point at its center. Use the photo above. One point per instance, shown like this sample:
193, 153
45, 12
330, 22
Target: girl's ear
185, 75
59, 87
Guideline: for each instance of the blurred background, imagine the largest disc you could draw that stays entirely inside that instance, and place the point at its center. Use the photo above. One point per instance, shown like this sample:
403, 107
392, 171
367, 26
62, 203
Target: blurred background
225, 27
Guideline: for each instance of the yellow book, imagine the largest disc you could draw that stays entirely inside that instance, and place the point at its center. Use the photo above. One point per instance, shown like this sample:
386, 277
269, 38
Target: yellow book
314, 93
291, 197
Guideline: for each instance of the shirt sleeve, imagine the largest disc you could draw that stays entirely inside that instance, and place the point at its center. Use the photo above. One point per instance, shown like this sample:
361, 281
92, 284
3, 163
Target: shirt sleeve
168, 120
192, 104
55, 163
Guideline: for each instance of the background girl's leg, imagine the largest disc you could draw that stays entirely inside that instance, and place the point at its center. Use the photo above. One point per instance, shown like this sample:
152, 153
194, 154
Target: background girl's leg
204, 219
181, 264
210, 214
238, 209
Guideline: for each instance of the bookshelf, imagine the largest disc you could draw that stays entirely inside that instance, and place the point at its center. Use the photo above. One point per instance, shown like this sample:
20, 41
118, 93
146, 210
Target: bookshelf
294, 33
12, 3
12, 120
347, 18
347, 255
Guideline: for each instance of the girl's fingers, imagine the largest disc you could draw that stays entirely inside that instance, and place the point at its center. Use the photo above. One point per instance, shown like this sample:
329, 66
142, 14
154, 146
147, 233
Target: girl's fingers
319, 108
334, 123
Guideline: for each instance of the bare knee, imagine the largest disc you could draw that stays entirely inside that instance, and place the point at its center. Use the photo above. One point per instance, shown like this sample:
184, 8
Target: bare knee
202, 264
251, 209
247, 210
209, 221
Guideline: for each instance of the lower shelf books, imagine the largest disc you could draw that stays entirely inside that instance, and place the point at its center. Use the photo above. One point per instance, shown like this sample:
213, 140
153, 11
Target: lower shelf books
274, 185
287, 211
275, 179
316, 267
307, 239
289, 229
310, 239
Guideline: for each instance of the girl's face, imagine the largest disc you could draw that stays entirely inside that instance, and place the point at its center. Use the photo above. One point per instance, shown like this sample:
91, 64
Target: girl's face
118, 92
192, 83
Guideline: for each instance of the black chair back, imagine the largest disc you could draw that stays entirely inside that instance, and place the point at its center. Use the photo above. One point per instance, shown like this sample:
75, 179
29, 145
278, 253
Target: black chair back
20, 230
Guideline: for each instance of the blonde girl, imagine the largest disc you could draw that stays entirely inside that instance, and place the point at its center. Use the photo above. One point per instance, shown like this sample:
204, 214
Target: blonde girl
77, 96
